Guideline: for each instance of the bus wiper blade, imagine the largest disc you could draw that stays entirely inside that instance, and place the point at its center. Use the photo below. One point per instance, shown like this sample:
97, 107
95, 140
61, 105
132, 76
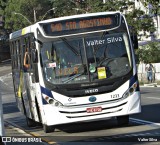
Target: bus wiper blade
71, 47
71, 78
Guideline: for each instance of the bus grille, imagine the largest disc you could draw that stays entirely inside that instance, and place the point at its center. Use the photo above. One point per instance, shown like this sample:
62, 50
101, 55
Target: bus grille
83, 113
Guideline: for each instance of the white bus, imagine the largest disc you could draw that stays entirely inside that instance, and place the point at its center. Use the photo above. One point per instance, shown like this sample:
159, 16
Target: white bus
75, 68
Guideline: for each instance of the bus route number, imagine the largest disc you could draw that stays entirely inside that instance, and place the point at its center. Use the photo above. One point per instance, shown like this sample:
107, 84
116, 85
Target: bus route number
115, 96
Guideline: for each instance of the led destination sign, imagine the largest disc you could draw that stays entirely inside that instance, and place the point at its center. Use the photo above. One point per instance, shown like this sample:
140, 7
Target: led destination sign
80, 25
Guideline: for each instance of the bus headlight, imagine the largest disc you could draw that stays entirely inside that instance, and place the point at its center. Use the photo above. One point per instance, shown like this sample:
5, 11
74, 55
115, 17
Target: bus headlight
130, 91
52, 101
57, 104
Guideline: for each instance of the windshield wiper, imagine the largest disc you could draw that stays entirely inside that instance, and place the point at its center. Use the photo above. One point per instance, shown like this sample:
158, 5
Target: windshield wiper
70, 46
72, 77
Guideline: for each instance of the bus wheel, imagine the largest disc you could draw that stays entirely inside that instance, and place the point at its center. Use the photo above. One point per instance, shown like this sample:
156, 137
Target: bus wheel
123, 120
48, 129
30, 122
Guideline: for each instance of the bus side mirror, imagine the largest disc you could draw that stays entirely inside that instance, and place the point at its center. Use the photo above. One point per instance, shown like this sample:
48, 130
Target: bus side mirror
136, 59
134, 37
34, 56
134, 41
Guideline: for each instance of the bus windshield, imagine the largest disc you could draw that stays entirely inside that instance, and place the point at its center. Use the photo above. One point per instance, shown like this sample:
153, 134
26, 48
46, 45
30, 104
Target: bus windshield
86, 58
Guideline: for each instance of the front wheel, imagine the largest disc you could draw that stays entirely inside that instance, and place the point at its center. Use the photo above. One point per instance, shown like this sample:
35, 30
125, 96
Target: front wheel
123, 120
48, 129
31, 122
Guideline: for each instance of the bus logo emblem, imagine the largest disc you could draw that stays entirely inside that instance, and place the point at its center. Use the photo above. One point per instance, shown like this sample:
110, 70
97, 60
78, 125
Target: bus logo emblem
91, 91
92, 99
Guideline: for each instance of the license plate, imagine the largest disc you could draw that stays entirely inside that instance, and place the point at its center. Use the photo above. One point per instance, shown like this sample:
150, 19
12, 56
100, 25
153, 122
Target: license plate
94, 109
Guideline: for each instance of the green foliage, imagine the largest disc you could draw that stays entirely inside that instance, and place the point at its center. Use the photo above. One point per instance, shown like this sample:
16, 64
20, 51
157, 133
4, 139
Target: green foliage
144, 23
94, 6
116, 5
63, 7
3, 4
149, 53
26, 8
153, 6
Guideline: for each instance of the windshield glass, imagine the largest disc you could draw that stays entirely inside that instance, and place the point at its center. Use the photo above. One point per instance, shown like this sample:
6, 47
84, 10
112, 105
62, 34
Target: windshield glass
87, 58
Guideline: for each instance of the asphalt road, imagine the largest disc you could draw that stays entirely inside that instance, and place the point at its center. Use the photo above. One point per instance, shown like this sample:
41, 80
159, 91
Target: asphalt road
150, 104
143, 128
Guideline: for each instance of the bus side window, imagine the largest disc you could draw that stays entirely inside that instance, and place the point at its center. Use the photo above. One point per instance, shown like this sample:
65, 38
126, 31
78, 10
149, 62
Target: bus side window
18, 54
27, 57
34, 57
15, 56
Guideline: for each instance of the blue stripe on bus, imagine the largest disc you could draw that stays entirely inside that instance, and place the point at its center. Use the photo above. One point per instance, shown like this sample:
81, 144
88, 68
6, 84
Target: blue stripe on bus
46, 92
133, 80
44, 101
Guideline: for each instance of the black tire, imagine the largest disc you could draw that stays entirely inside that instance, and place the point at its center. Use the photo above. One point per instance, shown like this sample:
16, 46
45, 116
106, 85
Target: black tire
31, 122
38, 111
123, 120
24, 109
48, 129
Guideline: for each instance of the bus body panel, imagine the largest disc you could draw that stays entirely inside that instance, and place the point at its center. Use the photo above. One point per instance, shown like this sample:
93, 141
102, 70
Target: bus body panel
54, 117
77, 109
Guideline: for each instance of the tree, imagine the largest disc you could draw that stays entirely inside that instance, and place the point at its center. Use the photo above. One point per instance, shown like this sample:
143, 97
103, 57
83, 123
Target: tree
152, 5
3, 4
154, 8
27, 8
94, 5
63, 7
4, 34
149, 53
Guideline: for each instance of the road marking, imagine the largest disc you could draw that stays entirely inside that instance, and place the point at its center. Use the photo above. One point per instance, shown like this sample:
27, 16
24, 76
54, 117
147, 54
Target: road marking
6, 60
2, 79
153, 98
3, 82
139, 121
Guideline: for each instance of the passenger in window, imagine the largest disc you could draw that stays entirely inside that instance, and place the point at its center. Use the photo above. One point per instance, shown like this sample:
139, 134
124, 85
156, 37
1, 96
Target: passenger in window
26, 62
